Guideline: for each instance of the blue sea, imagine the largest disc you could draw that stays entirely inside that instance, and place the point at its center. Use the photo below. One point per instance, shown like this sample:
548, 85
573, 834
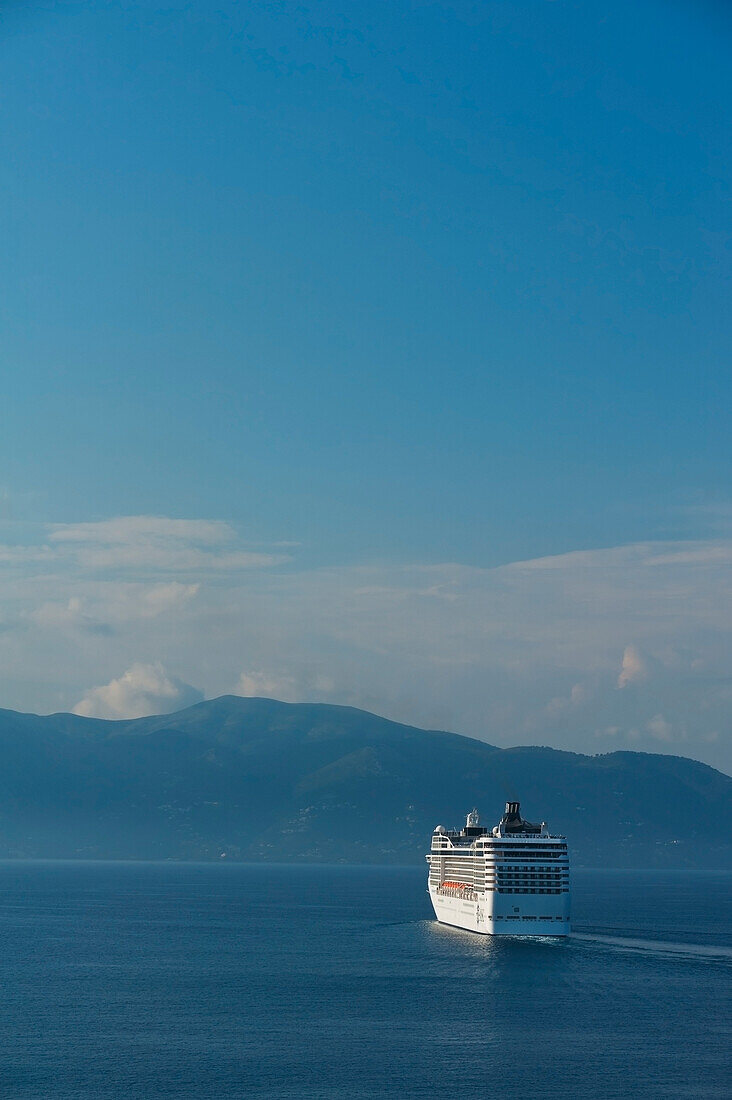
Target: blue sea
221, 981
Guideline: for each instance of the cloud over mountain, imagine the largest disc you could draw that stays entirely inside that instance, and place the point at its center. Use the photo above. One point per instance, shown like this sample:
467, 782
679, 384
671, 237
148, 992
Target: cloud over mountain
591, 650
142, 689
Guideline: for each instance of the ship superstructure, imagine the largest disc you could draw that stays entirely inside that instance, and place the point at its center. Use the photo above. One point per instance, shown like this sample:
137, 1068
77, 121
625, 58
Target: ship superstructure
509, 880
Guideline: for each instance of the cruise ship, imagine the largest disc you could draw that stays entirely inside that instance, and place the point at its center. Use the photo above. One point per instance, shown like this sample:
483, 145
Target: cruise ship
511, 880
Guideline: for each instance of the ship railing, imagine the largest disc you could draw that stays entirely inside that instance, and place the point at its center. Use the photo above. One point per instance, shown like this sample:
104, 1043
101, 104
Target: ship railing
452, 834
468, 893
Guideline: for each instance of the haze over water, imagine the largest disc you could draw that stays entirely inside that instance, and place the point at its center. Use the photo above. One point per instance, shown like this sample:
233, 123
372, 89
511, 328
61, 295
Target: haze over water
124, 981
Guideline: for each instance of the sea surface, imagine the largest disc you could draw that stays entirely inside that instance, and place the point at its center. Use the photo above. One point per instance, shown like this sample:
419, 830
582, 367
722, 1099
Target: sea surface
197, 980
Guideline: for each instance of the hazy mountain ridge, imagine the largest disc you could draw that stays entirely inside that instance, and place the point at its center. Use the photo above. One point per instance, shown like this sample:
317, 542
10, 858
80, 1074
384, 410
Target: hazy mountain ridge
264, 780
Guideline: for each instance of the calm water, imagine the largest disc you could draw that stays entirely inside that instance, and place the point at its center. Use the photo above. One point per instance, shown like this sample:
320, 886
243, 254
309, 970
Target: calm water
171, 980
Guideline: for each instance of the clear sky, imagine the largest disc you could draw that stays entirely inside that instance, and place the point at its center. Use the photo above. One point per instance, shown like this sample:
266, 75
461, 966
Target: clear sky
382, 300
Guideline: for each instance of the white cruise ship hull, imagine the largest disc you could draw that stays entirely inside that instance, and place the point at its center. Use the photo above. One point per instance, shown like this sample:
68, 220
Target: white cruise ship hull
503, 915
512, 880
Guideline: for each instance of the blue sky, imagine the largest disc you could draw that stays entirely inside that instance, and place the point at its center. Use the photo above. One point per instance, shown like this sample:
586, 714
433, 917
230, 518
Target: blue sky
403, 284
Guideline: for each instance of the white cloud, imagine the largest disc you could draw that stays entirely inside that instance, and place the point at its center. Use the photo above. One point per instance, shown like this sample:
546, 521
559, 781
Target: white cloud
300, 687
156, 543
159, 598
560, 703
26, 555
143, 689
258, 684
142, 544
479, 650
134, 529
695, 553
168, 557
659, 728
62, 615
105, 607
633, 667
578, 694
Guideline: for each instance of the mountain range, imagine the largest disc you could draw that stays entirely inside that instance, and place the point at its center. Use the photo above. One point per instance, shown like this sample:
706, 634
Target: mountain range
258, 779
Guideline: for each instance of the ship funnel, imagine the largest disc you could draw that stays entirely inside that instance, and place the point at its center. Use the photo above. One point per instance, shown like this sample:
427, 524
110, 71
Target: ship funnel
512, 821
